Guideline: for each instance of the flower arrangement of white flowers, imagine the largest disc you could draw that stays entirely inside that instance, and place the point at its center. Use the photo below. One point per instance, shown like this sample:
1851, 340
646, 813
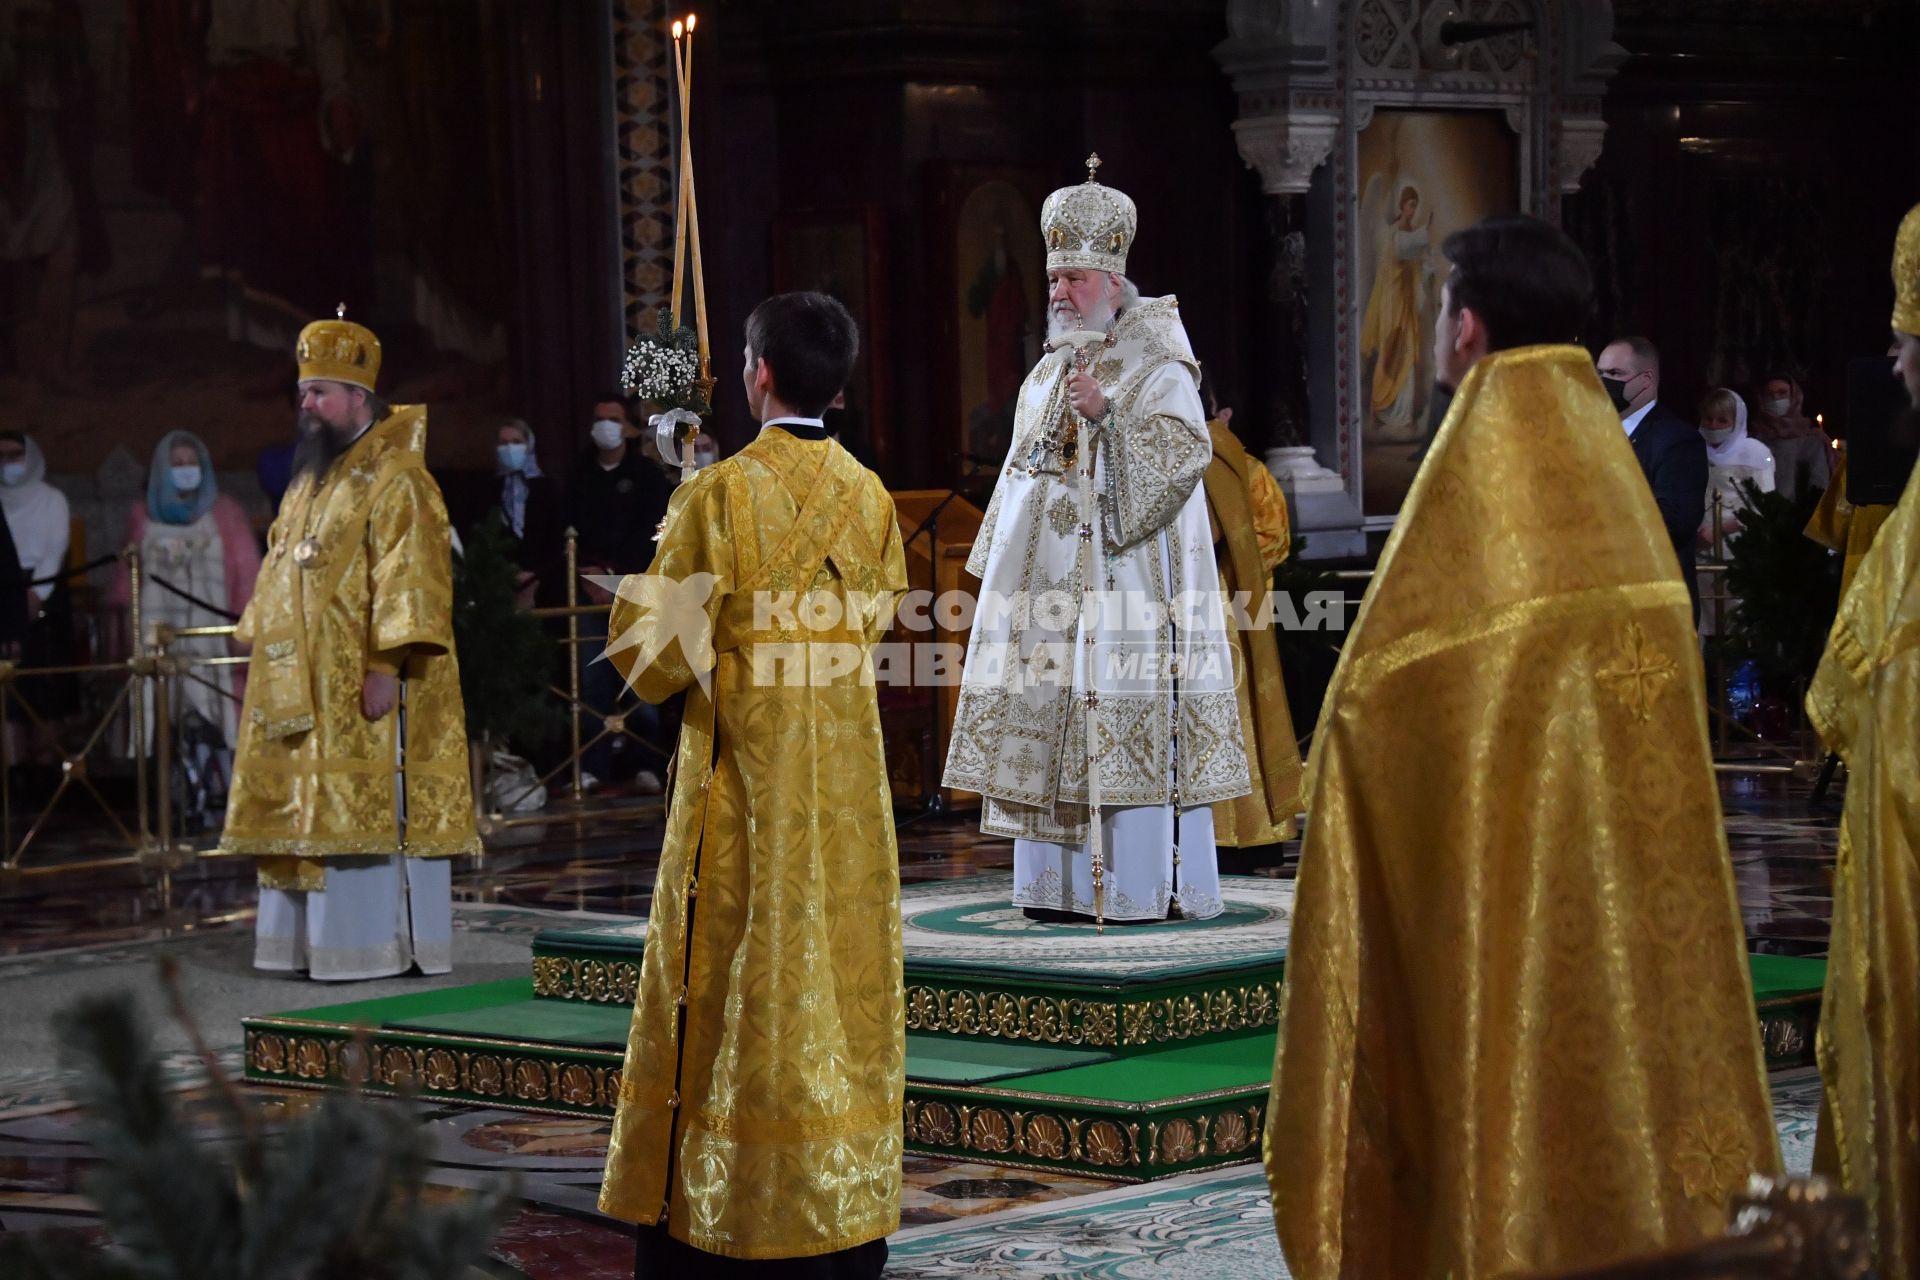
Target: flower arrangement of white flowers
664, 367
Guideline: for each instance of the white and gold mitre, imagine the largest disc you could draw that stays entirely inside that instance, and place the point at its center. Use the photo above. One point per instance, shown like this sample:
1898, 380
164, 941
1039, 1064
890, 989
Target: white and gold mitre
1088, 226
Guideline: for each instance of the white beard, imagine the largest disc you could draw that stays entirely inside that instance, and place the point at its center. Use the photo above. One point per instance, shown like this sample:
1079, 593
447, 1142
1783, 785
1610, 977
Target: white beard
1063, 319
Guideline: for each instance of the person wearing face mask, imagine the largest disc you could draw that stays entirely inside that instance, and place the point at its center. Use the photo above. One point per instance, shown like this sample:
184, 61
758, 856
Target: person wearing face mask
617, 499
198, 562
38, 522
37, 517
1802, 454
1515, 849
527, 505
1672, 455
1733, 456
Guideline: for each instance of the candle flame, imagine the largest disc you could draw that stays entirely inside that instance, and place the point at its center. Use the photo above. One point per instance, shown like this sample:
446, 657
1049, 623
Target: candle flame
691, 19
677, 29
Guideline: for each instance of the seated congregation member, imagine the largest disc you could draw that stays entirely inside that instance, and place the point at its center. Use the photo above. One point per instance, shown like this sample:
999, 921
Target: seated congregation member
759, 1127
1517, 1034
615, 502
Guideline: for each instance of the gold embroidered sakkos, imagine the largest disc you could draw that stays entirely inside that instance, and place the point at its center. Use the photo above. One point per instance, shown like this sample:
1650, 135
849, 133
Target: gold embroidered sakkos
1020, 728
314, 778
1248, 514
1517, 1034
1865, 703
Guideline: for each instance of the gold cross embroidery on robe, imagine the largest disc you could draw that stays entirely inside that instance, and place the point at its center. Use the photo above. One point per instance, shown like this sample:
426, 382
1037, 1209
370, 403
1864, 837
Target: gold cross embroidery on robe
1638, 673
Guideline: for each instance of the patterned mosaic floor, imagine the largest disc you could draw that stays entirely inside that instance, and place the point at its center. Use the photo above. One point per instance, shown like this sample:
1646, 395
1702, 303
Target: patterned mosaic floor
959, 1219
1216, 1225
555, 1236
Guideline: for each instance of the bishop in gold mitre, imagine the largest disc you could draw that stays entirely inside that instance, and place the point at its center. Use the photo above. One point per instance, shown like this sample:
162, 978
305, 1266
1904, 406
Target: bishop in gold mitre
1517, 1033
760, 1104
350, 781
1865, 704
1251, 535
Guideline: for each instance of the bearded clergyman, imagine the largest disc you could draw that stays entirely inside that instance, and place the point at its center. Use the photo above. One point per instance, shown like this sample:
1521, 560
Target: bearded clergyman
1097, 716
350, 781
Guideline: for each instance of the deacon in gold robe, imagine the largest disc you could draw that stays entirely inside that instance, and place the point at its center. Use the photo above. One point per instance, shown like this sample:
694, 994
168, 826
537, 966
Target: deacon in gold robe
1865, 703
760, 1105
1248, 514
1517, 1034
350, 778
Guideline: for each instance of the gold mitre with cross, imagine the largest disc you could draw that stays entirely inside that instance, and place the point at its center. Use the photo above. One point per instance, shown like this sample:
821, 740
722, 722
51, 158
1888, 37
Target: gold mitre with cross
339, 350
1088, 226
1906, 274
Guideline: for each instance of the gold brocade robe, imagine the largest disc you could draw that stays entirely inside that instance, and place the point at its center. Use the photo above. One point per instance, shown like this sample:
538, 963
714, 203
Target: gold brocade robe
1250, 537
1848, 529
312, 776
760, 1104
1517, 1032
1865, 703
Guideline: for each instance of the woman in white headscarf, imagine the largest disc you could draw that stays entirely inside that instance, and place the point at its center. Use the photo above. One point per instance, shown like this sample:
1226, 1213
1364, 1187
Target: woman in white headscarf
1733, 456
37, 515
198, 563
40, 527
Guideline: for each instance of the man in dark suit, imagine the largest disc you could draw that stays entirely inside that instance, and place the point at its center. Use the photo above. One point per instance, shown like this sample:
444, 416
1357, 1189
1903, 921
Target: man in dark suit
1670, 449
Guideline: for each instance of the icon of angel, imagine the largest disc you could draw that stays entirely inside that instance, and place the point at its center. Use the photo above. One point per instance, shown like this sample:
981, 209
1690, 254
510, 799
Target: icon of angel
1396, 336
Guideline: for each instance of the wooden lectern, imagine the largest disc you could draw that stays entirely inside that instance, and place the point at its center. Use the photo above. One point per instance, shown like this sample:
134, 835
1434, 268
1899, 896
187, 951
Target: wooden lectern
938, 527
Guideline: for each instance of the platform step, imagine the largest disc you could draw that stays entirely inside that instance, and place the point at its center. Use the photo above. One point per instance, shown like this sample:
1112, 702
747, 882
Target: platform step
977, 968
1040, 1106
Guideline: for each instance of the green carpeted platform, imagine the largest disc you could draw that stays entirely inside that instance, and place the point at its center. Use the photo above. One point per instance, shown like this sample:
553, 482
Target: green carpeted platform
976, 967
1139, 1053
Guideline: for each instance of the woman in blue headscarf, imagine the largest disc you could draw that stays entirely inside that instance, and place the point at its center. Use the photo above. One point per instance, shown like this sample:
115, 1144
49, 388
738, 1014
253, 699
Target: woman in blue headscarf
528, 508
199, 559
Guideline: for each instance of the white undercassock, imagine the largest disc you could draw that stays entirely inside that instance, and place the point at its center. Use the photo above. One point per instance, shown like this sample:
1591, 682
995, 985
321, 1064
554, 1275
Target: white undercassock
1168, 743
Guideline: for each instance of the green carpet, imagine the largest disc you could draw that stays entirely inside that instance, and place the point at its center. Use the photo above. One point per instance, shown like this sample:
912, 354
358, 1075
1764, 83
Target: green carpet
378, 1013
1238, 1063
950, 1060
590, 1026
1155, 1069
1778, 977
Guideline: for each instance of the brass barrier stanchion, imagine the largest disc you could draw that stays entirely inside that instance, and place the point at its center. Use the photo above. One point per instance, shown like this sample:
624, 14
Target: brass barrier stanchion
573, 656
1720, 627
163, 753
136, 662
